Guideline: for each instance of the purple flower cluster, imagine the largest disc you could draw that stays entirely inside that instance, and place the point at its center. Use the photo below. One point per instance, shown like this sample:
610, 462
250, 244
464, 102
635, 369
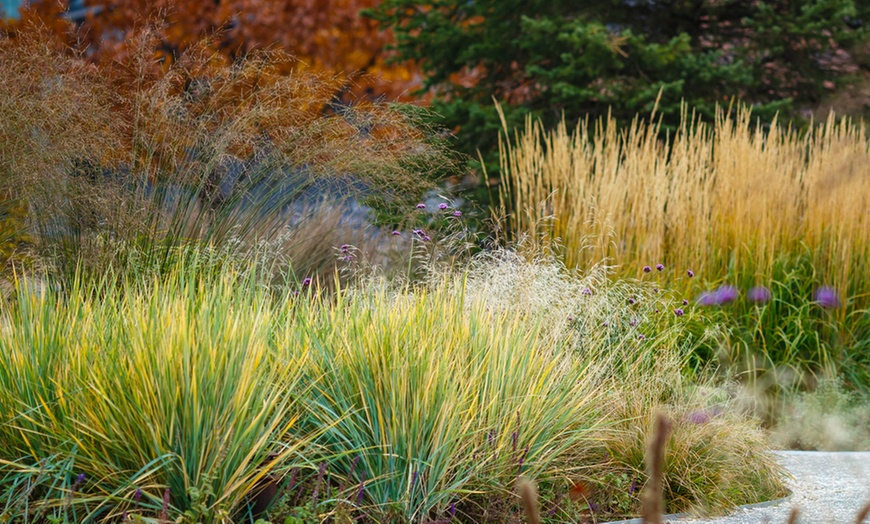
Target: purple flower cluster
723, 295
825, 296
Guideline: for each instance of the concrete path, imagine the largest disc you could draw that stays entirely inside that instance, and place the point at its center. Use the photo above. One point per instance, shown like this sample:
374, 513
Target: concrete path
826, 487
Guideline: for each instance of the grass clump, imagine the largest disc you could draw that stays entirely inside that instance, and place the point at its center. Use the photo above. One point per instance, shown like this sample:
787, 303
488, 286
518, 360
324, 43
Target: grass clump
830, 418
119, 166
161, 397
381, 402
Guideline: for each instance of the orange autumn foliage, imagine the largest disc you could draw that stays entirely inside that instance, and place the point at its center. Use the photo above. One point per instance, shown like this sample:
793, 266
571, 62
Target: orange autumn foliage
327, 36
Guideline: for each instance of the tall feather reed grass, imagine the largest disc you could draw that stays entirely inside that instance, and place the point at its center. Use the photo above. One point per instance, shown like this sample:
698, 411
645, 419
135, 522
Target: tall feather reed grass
404, 403
733, 202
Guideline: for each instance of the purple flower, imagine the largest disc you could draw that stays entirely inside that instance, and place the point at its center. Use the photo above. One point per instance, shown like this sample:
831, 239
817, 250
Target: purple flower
606, 324
722, 295
396, 233
727, 294
421, 206
418, 232
655, 290
647, 269
457, 213
758, 295
306, 282
80, 478
699, 417
593, 507
632, 322
708, 298
137, 495
690, 273
442, 206
660, 267
641, 337
362, 488
586, 291
679, 312
827, 297
426, 238
631, 301
570, 319
344, 248
633, 487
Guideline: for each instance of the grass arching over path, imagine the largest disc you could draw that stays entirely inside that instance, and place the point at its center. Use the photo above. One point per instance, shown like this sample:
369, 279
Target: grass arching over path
179, 396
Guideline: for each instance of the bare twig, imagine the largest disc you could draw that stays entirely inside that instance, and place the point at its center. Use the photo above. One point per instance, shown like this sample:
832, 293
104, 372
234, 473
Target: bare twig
863, 513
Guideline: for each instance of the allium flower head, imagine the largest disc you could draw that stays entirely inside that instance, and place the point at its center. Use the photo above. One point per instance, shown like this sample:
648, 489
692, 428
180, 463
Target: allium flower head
457, 213
80, 478
632, 322
631, 301
660, 267
690, 273
641, 337
586, 291
758, 295
396, 233
605, 324
421, 206
827, 297
442, 206
306, 281
685, 302
344, 248
678, 312
647, 269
